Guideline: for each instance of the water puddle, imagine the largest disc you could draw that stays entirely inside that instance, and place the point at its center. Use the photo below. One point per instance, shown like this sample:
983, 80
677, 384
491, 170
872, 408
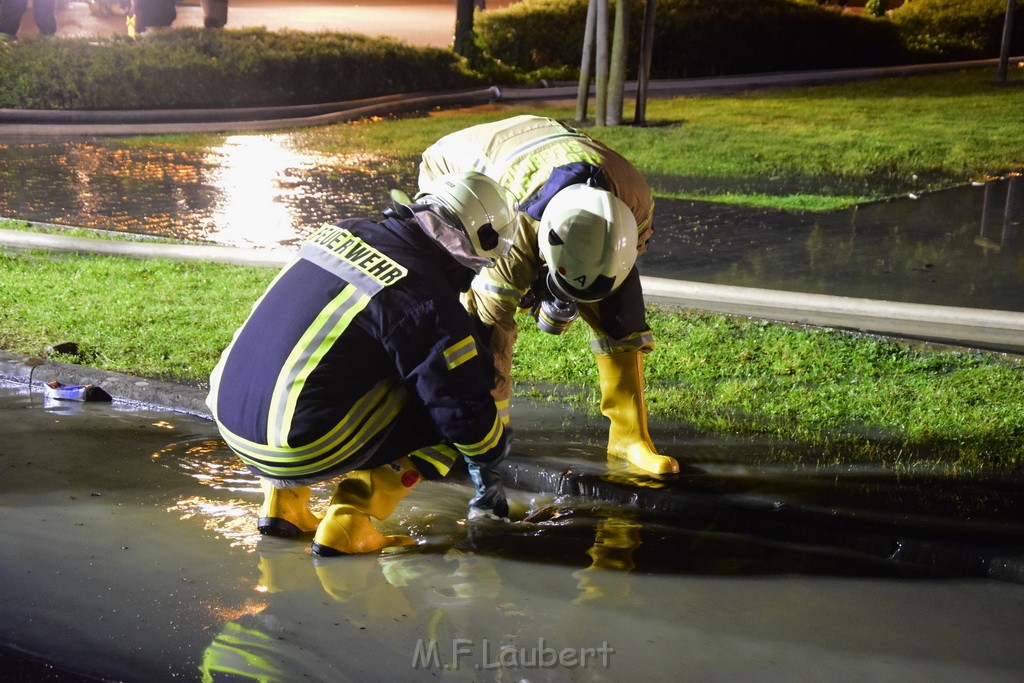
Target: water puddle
249, 191
130, 532
962, 247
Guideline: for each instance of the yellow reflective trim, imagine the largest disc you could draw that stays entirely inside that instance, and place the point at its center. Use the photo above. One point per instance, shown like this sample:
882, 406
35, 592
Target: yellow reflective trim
317, 340
441, 449
504, 410
487, 443
237, 652
520, 168
368, 409
382, 417
495, 289
604, 346
385, 392
459, 352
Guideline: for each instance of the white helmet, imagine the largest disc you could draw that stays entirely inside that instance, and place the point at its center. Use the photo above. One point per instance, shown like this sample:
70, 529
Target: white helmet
487, 212
588, 239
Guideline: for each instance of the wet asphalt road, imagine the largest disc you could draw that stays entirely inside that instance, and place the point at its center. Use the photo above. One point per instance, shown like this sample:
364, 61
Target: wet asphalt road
132, 555
418, 22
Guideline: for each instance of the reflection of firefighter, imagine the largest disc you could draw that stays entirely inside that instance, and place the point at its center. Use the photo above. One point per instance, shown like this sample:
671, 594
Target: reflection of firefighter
255, 646
608, 576
426, 594
401, 603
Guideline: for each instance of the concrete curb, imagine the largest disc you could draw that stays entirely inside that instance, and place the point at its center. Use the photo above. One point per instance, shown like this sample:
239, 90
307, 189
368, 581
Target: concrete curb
1000, 330
721, 84
20, 239
140, 391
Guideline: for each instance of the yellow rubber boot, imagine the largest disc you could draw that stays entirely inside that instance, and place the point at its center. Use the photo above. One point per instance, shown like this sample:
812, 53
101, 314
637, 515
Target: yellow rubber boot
622, 402
285, 512
347, 528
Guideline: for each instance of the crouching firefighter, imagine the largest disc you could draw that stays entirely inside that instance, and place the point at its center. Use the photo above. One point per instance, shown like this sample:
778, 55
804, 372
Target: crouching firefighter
359, 361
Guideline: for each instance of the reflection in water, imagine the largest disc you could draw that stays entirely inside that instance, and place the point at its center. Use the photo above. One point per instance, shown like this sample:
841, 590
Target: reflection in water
472, 602
616, 539
245, 169
209, 463
961, 247
233, 520
250, 190
604, 527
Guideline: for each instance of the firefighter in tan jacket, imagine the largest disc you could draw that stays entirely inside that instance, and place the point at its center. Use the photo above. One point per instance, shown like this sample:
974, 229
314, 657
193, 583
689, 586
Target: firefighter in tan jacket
585, 216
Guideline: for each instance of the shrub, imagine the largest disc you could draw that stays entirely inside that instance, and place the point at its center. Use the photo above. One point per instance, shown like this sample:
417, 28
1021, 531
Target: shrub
698, 37
533, 34
711, 37
192, 67
954, 29
876, 7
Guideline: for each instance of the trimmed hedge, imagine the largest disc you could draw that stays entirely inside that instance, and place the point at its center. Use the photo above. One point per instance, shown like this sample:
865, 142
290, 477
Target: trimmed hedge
956, 29
533, 34
717, 37
194, 67
713, 37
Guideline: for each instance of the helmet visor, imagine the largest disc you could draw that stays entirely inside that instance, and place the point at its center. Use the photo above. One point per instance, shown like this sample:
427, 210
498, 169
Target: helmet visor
506, 224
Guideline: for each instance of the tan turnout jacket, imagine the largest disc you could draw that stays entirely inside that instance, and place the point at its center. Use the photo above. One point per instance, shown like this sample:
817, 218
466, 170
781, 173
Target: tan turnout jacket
521, 153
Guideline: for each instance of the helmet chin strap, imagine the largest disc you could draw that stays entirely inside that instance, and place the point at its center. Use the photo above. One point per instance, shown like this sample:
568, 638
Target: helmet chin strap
451, 238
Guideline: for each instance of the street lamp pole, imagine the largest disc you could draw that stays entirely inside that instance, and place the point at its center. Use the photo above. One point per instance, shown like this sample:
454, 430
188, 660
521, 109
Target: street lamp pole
1004, 53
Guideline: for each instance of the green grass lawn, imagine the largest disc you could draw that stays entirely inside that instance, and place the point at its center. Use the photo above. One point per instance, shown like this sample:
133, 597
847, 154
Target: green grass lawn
839, 144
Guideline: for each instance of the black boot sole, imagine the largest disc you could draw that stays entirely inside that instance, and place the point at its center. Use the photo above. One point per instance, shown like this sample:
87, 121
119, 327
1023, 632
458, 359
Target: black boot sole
276, 526
325, 551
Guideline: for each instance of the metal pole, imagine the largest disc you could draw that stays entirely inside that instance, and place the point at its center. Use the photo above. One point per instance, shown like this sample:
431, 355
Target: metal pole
644, 70
587, 61
601, 69
1004, 52
463, 26
617, 73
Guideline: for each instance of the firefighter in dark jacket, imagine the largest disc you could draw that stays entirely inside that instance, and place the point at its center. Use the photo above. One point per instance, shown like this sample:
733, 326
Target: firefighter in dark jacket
359, 360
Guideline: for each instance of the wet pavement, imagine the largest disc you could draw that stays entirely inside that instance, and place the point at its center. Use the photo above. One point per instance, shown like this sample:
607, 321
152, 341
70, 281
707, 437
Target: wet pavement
960, 247
418, 22
133, 555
